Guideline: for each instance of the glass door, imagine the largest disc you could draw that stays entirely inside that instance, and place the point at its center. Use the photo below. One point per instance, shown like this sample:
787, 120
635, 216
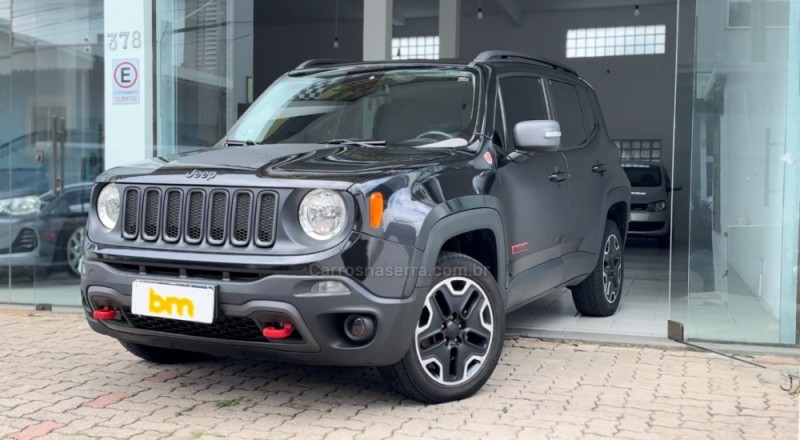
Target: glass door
734, 269
54, 146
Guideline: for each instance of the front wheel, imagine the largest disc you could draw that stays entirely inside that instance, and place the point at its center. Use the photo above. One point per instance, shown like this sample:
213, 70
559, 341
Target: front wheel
599, 294
74, 251
458, 338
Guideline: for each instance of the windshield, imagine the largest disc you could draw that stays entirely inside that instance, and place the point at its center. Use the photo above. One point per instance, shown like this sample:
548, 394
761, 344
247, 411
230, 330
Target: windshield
403, 107
643, 175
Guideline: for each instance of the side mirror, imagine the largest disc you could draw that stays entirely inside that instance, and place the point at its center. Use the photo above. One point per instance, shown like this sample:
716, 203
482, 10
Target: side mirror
538, 135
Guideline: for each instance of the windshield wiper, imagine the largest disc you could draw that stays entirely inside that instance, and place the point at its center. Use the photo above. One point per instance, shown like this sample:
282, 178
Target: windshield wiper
235, 143
369, 143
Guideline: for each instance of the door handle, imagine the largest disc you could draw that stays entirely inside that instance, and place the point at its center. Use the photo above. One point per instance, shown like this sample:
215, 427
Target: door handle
599, 168
558, 176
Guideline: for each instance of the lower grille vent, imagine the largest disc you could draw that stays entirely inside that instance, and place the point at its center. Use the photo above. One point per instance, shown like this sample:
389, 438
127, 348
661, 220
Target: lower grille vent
228, 327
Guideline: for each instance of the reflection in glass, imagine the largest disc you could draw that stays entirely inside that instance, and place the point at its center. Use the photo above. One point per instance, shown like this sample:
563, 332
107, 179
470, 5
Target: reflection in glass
742, 117
53, 70
204, 57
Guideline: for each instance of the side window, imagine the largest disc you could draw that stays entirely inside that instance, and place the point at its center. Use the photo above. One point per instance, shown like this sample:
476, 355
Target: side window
72, 202
523, 100
83, 202
60, 205
568, 113
589, 121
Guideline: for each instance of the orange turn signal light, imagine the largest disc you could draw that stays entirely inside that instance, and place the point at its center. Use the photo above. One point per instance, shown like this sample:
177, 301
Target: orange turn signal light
375, 209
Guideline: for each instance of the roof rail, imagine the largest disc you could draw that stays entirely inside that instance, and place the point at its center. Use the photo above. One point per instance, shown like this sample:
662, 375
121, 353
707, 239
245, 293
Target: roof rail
320, 62
490, 55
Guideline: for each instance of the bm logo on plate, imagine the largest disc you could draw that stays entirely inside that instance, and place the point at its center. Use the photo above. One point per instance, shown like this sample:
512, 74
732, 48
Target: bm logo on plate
170, 305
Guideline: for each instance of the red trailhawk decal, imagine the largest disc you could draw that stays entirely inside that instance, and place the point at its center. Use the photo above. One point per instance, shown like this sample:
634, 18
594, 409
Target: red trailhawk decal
519, 248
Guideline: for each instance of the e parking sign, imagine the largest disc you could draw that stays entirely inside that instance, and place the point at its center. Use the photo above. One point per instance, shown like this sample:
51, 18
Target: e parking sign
125, 79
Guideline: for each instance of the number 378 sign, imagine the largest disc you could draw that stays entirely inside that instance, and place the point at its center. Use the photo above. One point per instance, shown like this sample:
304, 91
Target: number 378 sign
125, 88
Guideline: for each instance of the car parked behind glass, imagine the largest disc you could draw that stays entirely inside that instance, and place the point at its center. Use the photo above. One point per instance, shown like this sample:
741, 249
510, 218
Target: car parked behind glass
650, 203
44, 232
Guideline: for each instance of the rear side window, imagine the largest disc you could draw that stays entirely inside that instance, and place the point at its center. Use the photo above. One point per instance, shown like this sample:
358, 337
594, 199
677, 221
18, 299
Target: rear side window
523, 100
568, 113
589, 121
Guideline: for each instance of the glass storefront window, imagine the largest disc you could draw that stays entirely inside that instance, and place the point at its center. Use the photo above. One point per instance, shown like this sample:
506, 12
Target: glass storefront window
204, 57
51, 147
740, 255
51, 134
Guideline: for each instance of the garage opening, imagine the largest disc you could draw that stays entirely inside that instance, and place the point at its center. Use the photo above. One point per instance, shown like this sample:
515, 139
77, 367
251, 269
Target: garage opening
625, 49
696, 98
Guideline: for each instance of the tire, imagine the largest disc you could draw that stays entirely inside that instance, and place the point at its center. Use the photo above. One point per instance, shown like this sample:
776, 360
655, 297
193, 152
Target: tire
452, 358
73, 252
600, 293
159, 355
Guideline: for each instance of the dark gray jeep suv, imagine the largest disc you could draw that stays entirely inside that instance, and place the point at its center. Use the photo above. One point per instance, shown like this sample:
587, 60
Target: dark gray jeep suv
381, 214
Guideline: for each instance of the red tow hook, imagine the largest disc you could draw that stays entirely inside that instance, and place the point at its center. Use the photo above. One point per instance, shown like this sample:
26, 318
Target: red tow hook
105, 314
278, 333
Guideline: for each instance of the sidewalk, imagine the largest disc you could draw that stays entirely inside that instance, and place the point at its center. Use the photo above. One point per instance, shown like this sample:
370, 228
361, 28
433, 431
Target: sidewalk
61, 380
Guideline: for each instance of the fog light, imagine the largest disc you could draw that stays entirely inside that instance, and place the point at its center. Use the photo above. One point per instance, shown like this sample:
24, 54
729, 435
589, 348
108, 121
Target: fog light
359, 328
329, 287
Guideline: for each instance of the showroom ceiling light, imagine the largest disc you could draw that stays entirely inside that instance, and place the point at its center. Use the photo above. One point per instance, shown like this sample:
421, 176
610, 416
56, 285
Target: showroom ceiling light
636, 12
336, 26
480, 9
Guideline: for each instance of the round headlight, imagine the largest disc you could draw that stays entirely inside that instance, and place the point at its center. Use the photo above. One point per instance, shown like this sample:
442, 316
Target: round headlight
322, 214
108, 206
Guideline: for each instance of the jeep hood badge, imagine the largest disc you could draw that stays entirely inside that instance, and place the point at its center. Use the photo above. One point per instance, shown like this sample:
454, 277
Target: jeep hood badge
198, 174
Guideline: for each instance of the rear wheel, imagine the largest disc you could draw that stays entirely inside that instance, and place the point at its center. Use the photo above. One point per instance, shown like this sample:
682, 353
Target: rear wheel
599, 294
160, 355
458, 337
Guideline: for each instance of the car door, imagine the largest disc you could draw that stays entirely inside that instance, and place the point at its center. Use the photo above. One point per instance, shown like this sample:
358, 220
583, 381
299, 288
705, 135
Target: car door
586, 162
534, 190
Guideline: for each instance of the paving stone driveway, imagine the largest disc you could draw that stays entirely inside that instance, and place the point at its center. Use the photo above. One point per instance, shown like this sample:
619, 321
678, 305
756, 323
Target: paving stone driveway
61, 380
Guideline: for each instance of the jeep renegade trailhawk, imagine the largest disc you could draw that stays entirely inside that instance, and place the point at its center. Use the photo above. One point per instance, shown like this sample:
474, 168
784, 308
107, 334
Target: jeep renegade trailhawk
386, 214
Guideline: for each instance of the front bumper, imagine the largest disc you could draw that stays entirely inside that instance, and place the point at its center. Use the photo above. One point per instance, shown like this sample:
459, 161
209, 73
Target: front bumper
244, 308
649, 224
21, 244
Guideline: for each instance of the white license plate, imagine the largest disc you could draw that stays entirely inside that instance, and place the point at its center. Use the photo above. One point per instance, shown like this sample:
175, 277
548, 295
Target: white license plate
174, 301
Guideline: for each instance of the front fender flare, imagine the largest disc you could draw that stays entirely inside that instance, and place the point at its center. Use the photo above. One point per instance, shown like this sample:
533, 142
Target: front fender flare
458, 223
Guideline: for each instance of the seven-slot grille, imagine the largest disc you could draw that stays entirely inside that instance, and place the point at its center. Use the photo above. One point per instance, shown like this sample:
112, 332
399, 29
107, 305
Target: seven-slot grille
214, 216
